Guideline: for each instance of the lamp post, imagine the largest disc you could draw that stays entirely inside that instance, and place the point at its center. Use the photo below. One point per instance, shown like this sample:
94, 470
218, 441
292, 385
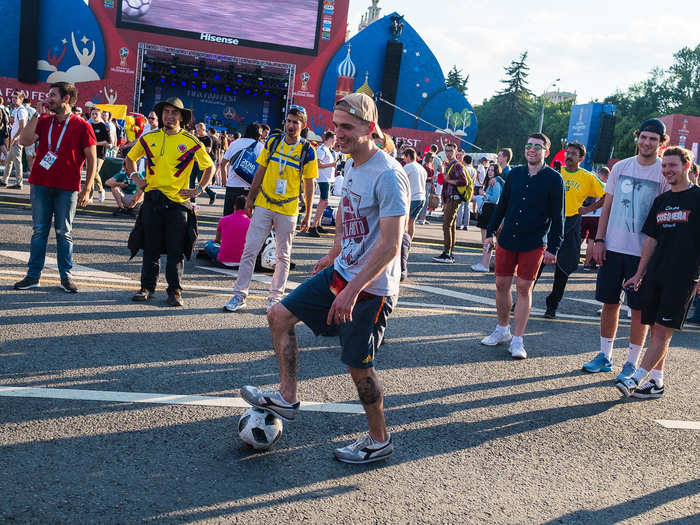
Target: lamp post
543, 99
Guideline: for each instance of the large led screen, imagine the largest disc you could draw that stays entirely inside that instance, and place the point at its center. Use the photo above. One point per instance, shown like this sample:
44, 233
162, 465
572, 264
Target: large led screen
289, 25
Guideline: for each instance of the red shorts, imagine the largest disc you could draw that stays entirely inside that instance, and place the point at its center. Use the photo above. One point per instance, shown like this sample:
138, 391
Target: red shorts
528, 263
589, 227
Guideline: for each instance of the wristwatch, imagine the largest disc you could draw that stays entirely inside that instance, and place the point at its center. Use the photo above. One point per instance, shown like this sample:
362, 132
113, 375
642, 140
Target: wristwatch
598, 240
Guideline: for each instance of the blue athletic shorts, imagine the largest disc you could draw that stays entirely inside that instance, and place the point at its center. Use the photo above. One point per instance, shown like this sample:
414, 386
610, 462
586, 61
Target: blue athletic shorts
323, 190
311, 301
415, 208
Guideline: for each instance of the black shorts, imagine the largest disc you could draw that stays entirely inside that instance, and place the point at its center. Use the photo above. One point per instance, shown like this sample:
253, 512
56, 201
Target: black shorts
666, 300
485, 216
616, 269
323, 190
311, 301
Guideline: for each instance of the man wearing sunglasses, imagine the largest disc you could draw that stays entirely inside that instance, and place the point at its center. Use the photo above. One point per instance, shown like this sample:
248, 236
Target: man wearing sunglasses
286, 167
532, 210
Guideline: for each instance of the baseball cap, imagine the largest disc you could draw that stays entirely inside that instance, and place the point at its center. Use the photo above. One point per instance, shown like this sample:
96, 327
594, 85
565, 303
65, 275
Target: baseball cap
653, 125
362, 107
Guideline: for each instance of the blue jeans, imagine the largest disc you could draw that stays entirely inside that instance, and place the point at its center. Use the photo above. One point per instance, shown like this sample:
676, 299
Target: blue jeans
59, 205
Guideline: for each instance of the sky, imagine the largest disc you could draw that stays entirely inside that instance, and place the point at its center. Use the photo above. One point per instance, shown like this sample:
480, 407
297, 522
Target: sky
594, 47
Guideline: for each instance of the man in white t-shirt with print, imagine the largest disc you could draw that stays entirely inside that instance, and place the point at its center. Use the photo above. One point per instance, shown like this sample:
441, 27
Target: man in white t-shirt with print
355, 286
326, 166
632, 186
14, 157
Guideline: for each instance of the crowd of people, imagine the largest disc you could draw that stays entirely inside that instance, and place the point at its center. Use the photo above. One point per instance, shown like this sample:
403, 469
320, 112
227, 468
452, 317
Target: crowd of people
529, 215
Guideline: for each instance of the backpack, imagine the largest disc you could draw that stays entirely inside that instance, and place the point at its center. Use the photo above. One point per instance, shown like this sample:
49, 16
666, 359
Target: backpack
273, 142
466, 191
244, 163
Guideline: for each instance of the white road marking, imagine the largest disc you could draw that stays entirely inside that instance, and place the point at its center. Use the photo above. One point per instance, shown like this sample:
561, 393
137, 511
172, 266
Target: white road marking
683, 425
163, 399
77, 271
481, 300
260, 277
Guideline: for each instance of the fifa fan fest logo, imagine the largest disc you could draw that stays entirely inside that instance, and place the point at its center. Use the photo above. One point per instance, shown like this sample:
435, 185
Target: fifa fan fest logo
304, 80
123, 54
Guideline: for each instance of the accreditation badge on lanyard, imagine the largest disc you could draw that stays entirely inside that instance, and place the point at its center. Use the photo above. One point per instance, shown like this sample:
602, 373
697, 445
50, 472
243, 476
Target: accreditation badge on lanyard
52, 155
281, 183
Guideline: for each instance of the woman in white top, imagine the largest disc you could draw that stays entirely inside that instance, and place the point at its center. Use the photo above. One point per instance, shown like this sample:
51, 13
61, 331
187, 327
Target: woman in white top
235, 185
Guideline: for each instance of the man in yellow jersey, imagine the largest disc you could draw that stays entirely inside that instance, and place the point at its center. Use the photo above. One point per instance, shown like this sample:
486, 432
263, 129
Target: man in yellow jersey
579, 184
166, 220
274, 192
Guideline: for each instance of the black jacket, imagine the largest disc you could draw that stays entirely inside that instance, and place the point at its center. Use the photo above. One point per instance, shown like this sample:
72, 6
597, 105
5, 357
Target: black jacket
156, 198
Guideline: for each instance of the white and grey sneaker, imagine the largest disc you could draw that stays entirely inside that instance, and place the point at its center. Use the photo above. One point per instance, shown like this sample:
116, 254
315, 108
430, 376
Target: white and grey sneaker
237, 302
365, 450
517, 350
480, 268
497, 337
271, 400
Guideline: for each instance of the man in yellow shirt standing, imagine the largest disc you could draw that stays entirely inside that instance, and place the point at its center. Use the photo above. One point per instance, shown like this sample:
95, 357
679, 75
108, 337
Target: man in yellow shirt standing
166, 217
274, 192
579, 184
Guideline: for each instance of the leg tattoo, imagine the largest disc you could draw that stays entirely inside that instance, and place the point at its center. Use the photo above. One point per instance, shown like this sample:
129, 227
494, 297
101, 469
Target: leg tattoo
369, 390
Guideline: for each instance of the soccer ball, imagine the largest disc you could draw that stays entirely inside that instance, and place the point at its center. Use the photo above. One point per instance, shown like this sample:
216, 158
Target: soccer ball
259, 428
136, 8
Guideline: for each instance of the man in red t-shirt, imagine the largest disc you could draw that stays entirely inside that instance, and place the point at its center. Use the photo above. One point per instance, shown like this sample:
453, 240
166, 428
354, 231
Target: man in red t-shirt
65, 143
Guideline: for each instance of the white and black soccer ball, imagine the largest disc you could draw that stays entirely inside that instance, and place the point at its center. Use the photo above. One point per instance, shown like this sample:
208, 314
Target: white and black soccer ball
259, 428
135, 8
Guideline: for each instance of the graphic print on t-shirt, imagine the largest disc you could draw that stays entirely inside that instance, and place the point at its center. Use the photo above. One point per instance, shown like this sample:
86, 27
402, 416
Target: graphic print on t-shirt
635, 197
355, 227
671, 216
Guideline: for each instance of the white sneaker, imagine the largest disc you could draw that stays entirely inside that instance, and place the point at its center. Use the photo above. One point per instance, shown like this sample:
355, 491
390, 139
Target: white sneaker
480, 268
517, 350
497, 337
101, 198
270, 303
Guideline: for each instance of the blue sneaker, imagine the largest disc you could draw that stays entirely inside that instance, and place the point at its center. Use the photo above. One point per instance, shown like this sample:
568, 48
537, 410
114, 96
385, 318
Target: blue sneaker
599, 363
628, 370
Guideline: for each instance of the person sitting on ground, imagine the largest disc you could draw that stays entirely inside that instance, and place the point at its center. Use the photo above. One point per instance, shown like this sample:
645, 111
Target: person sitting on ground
126, 193
227, 246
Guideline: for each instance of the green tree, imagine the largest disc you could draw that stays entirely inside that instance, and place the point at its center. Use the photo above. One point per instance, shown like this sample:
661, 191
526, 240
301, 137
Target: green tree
457, 80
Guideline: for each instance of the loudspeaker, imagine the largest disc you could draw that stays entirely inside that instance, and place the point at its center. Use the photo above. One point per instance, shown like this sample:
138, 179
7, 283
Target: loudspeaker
605, 139
390, 82
28, 41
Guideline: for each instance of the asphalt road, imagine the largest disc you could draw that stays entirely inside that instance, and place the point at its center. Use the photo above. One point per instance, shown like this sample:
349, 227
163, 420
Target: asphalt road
479, 438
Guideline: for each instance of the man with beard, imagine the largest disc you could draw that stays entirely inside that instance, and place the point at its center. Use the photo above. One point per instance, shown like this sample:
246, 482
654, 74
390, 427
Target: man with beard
454, 176
65, 143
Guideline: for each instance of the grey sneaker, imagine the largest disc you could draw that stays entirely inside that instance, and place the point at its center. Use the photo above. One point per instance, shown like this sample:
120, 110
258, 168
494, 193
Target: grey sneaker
271, 400
628, 370
364, 450
27, 283
237, 302
68, 285
626, 386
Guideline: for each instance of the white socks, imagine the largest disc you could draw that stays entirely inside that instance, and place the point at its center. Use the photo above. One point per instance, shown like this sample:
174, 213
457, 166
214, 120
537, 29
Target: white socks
640, 375
657, 376
633, 355
606, 347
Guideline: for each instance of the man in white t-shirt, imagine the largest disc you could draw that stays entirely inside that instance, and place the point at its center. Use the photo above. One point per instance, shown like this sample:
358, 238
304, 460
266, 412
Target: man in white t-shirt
632, 186
355, 286
235, 185
416, 178
14, 157
326, 167
479, 183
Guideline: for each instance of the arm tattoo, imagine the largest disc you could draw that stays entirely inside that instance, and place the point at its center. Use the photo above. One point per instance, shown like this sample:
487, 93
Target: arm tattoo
369, 390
